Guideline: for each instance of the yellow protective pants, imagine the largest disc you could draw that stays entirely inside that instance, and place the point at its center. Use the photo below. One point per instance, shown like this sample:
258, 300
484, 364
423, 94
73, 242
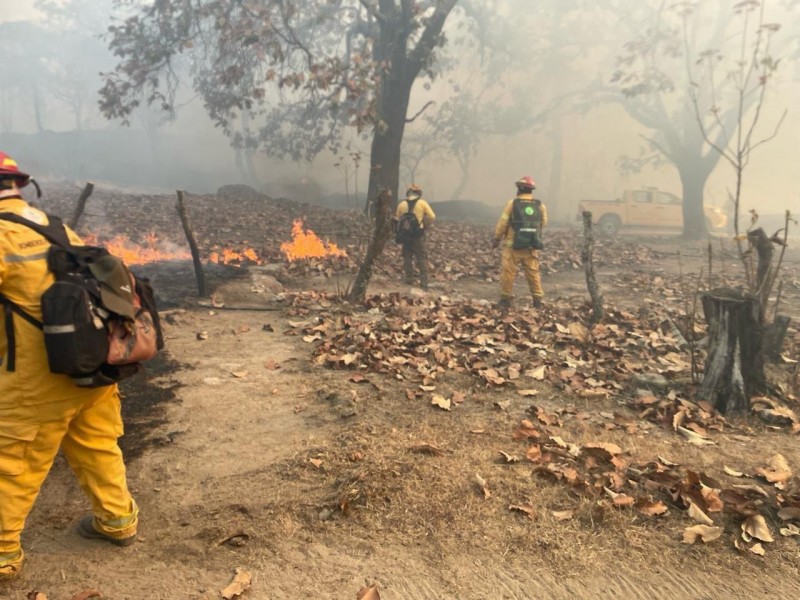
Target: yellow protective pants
510, 262
86, 428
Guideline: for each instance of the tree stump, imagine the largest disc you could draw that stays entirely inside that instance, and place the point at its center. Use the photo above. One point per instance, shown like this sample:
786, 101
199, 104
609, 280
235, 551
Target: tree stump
734, 370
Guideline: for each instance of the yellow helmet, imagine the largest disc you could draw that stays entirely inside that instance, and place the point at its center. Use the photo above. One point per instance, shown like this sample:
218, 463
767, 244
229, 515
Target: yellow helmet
414, 190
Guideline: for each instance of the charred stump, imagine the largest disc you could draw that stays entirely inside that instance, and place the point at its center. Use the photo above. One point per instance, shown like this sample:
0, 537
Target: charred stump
588, 265
187, 229
734, 370
380, 233
774, 337
764, 251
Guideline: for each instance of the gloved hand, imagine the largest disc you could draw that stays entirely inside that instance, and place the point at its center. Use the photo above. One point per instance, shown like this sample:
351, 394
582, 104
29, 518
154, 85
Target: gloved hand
495, 244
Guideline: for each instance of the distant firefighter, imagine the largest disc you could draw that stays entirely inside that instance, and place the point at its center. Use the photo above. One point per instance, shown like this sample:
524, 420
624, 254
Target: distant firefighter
42, 412
519, 230
413, 218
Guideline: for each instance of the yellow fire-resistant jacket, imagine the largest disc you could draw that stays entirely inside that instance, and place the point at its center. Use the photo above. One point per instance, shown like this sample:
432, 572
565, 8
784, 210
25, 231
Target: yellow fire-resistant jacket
24, 277
422, 210
503, 230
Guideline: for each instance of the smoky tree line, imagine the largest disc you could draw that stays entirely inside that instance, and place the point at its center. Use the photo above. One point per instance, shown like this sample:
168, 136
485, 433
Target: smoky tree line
298, 72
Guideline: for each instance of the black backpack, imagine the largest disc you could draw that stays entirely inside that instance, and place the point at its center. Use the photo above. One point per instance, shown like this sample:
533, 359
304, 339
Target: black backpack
75, 322
526, 221
408, 227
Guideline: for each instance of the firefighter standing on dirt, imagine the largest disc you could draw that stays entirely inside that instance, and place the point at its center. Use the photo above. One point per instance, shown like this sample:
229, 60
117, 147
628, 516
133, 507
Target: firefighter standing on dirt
41, 412
519, 230
413, 218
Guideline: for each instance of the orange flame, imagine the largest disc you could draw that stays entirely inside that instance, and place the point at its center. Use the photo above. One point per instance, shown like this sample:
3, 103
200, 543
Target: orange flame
135, 254
228, 256
306, 244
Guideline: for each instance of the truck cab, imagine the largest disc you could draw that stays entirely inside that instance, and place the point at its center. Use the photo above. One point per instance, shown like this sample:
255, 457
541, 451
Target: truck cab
647, 207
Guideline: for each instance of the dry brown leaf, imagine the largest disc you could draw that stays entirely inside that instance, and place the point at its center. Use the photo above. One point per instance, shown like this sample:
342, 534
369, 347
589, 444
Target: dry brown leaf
242, 581
580, 332
758, 549
271, 365
441, 402
534, 454
34, 595
619, 500
426, 448
87, 594
509, 458
317, 462
698, 516
527, 393
652, 509
563, 515
777, 471
694, 438
239, 374
358, 378
482, 486
705, 533
713, 502
526, 509
667, 462
790, 530
538, 373
756, 526
368, 593
732, 472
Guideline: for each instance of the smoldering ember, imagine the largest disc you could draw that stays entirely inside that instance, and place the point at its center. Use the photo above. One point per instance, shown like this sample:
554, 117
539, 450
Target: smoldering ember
400, 299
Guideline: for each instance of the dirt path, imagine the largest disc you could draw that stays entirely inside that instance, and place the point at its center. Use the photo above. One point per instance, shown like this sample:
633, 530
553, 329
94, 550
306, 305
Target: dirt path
229, 456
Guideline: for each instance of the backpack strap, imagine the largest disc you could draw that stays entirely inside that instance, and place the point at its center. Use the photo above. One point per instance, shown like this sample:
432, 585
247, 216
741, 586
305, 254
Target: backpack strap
55, 234
10, 309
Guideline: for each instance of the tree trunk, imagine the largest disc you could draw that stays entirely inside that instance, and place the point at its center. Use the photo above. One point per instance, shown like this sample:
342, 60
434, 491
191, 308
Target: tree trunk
380, 233
187, 229
693, 182
588, 265
463, 162
734, 370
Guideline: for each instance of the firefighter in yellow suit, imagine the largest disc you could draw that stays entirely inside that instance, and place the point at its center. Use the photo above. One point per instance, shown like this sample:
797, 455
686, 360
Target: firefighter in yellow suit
522, 214
416, 250
41, 412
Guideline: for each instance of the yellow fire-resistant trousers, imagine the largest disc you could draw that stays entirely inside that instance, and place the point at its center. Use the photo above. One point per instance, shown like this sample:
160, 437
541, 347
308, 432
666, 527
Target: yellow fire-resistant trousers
86, 427
510, 262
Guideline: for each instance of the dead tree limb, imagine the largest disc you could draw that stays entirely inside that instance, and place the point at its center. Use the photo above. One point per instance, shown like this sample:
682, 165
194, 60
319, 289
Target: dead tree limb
187, 229
588, 265
81, 206
380, 233
764, 250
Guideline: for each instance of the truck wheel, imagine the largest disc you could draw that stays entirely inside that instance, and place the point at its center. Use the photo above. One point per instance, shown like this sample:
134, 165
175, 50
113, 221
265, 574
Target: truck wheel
608, 225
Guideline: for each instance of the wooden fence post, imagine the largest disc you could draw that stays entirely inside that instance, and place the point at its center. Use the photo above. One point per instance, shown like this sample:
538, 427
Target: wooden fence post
187, 229
81, 206
588, 265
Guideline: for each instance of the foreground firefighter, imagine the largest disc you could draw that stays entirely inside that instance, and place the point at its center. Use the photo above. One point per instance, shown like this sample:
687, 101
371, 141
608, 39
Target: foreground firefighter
40, 411
519, 231
414, 217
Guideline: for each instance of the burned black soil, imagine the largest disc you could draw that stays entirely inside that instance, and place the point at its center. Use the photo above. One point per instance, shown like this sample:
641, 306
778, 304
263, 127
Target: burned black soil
145, 398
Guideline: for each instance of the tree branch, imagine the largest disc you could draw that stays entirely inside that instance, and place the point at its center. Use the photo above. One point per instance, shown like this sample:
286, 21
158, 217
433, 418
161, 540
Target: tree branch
421, 110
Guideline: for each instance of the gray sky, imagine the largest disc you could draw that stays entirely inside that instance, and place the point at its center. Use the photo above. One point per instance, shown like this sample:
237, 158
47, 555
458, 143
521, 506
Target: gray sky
14, 10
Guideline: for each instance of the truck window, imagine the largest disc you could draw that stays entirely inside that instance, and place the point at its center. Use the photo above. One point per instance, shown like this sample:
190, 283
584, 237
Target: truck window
667, 198
641, 196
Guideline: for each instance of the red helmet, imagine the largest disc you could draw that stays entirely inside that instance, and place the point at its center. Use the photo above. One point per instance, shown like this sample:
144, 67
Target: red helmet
9, 169
526, 182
